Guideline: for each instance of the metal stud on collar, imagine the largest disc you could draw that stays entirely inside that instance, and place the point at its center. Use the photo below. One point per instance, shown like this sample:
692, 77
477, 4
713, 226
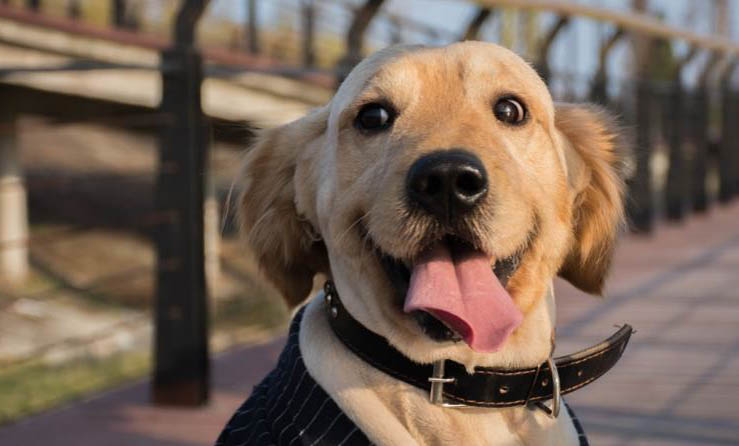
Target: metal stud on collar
329, 292
329, 289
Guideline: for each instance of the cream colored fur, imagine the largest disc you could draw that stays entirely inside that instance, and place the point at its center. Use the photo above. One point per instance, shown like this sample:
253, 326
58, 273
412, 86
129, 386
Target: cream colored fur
310, 186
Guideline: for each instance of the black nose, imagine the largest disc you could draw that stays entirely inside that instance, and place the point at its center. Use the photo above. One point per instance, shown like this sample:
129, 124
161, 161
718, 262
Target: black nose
447, 184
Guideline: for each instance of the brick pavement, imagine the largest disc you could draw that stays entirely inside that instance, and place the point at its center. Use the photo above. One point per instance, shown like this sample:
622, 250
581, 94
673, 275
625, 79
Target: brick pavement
678, 383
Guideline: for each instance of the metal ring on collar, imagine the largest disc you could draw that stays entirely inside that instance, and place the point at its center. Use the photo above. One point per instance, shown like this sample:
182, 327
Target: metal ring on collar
553, 412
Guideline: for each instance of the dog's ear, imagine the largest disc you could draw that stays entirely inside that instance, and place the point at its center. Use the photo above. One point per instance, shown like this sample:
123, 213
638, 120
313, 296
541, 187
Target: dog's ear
595, 151
286, 245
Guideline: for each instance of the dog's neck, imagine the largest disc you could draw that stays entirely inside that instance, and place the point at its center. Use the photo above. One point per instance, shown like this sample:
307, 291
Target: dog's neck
400, 413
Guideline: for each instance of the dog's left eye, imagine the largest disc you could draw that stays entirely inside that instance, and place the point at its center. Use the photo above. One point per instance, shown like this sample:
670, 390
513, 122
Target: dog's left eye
374, 117
509, 111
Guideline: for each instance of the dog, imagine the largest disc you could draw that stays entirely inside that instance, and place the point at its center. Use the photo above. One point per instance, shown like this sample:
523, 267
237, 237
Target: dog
441, 191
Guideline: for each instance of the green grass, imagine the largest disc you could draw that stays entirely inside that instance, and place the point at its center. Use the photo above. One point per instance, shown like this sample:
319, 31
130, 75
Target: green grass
33, 387
252, 311
238, 312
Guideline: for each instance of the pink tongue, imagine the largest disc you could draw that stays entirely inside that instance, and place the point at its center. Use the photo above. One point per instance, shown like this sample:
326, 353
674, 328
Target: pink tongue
464, 294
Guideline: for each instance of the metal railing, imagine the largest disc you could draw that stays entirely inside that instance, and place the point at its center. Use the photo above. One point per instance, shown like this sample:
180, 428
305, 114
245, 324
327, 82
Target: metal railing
688, 130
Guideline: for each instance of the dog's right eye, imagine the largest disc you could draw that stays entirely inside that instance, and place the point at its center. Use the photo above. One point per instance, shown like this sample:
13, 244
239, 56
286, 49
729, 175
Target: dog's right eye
510, 111
374, 117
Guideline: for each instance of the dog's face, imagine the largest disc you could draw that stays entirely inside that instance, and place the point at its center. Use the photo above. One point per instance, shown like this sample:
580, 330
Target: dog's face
442, 190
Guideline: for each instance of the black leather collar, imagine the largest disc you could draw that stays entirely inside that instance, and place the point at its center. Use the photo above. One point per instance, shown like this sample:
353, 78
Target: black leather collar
487, 387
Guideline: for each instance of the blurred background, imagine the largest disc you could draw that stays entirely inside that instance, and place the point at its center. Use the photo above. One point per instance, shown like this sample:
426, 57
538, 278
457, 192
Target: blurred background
131, 314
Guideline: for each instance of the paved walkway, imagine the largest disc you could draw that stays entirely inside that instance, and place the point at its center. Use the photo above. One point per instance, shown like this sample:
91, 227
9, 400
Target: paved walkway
678, 383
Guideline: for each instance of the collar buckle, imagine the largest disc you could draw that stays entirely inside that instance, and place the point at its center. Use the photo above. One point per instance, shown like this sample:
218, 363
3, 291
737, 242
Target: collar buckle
437, 380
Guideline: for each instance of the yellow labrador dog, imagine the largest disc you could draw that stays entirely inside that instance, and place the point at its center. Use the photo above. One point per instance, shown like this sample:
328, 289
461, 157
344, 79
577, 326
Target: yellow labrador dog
441, 190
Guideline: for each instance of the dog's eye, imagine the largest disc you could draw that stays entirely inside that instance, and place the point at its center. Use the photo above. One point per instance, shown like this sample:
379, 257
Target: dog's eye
509, 111
374, 117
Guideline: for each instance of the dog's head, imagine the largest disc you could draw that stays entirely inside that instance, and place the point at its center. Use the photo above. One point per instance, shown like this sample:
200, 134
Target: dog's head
442, 189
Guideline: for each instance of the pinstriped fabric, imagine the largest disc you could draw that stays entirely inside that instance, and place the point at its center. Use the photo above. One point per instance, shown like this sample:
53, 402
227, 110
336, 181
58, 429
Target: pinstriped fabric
578, 426
289, 408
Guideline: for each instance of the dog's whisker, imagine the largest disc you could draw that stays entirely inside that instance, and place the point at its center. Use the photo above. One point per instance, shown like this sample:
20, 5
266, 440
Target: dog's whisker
366, 249
340, 238
227, 207
256, 227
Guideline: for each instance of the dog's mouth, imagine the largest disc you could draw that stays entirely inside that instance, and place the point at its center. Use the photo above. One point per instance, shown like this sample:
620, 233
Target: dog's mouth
455, 292
399, 271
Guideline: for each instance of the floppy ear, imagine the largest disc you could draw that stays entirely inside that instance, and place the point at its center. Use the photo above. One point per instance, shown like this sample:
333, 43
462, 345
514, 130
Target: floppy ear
595, 152
286, 245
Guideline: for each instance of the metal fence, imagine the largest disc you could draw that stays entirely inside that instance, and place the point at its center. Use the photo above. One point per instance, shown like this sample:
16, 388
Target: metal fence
686, 154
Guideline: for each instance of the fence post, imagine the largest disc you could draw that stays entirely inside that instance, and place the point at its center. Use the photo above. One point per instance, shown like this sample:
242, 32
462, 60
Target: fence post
355, 37
73, 9
676, 185
308, 9
542, 60
735, 147
125, 15
396, 30
181, 372
599, 90
700, 108
252, 30
472, 32
727, 145
13, 205
699, 160
118, 13
639, 207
